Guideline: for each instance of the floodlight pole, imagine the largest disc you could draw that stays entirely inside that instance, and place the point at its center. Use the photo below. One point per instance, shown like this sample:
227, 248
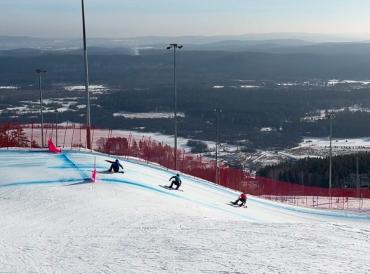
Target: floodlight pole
174, 47
357, 176
88, 119
56, 127
331, 116
218, 111
40, 72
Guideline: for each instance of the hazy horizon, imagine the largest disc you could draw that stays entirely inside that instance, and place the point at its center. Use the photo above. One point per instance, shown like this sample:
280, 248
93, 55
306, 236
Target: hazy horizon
138, 18
246, 36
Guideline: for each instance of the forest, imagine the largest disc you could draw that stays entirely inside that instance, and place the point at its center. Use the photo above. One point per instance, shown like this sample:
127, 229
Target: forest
347, 170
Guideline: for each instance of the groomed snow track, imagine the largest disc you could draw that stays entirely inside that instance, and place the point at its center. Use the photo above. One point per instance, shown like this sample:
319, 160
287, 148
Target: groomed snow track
53, 219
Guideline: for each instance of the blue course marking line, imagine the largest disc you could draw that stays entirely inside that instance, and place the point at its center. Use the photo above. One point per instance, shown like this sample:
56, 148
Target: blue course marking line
79, 166
71, 164
140, 185
38, 182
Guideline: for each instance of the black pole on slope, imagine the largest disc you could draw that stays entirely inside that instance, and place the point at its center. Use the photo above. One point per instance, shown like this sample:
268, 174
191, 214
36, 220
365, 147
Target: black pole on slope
88, 117
175, 47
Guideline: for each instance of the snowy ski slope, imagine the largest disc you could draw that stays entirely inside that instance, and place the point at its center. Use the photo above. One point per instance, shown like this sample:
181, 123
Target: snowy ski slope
53, 220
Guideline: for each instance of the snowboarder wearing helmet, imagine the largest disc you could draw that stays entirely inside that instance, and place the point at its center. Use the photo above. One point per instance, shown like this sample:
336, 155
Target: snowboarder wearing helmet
175, 181
242, 198
115, 166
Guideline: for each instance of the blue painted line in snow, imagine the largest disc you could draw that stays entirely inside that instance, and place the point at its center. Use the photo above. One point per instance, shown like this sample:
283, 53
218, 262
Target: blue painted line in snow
40, 182
79, 166
70, 163
140, 185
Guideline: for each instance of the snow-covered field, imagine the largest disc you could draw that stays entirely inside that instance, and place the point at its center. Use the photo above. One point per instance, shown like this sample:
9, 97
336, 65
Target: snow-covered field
54, 221
355, 143
96, 89
334, 82
319, 147
8, 87
322, 114
147, 115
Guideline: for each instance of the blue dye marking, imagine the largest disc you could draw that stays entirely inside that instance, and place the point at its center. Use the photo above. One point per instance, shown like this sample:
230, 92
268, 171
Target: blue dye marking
71, 164
79, 166
81, 183
38, 182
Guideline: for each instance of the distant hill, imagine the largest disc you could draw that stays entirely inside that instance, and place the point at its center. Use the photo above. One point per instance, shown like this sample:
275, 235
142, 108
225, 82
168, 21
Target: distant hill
220, 42
360, 48
250, 45
120, 65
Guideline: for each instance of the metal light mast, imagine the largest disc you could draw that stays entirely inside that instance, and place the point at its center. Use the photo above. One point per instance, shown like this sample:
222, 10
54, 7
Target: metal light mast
40, 72
88, 119
330, 116
174, 47
218, 111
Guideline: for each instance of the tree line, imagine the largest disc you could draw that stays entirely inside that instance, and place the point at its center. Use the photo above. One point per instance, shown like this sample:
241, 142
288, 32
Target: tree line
315, 171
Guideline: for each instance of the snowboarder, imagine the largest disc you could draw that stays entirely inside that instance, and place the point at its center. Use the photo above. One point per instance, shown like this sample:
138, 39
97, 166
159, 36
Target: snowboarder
176, 181
115, 166
242, 198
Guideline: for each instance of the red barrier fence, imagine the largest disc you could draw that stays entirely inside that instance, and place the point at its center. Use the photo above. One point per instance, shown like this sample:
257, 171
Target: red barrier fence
72, 135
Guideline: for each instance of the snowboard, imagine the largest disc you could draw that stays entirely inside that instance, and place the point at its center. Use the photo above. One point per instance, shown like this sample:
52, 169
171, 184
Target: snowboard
168, 188
231, 204
108, 172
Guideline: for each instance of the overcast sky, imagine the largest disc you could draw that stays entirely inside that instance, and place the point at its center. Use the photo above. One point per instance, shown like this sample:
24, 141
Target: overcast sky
128, 18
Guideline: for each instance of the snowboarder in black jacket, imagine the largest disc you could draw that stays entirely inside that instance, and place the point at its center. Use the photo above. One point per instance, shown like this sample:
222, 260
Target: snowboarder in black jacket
175, 181
115, 166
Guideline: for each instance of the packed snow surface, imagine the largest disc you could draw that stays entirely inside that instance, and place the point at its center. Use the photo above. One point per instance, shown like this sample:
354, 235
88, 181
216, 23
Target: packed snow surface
54, 220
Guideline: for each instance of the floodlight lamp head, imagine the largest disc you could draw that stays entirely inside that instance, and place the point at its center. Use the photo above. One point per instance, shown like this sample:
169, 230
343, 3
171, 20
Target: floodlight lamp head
40, 71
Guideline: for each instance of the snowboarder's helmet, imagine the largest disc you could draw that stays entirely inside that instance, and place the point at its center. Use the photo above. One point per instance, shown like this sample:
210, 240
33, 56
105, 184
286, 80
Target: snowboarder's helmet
177, 174
117, 160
